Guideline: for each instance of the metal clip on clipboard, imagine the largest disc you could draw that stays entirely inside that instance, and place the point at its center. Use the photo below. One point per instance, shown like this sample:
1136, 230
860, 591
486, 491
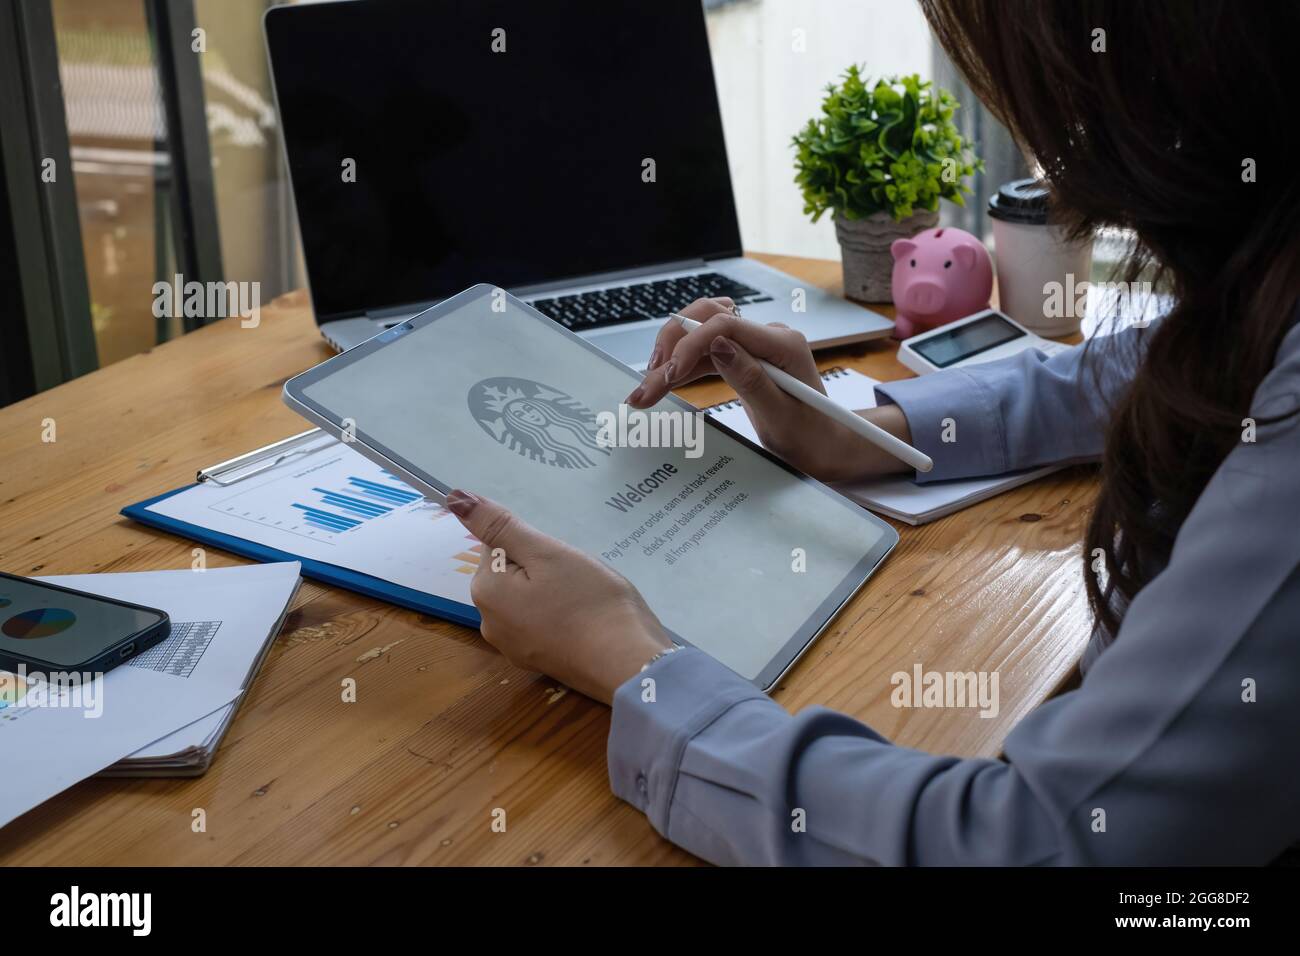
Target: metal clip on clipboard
261, 459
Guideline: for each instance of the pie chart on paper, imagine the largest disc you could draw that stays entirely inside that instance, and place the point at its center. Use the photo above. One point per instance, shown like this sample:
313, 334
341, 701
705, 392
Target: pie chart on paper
41, 622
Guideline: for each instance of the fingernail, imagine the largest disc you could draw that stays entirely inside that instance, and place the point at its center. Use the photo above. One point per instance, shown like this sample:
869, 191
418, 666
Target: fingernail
461, 503
636, 396
722, 350
670, 372
654, 359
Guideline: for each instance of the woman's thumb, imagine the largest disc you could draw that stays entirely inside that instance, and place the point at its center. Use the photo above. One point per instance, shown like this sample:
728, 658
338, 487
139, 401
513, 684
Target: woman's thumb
494, 525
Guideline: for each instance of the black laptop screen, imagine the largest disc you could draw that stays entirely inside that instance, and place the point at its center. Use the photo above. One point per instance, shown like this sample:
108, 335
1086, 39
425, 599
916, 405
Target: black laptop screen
511, 167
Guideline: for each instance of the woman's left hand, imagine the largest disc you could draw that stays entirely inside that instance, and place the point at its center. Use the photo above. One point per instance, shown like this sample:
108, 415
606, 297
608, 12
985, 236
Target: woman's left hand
550, 608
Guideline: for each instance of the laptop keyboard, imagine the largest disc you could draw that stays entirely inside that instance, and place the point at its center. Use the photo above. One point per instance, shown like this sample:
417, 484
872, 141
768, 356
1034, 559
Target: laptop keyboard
642, 300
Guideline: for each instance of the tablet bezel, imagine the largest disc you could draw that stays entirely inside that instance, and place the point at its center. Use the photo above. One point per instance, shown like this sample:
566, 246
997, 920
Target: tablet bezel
313, 411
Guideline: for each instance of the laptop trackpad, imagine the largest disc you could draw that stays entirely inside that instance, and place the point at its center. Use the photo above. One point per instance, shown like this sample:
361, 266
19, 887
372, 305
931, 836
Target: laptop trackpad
629, 346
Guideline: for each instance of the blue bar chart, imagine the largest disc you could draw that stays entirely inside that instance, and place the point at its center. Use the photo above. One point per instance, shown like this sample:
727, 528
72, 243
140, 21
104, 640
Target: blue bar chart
326, 499
342, 510
335, 506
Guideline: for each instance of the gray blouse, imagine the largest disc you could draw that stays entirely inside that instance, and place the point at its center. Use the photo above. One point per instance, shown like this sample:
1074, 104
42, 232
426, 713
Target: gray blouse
1182, 745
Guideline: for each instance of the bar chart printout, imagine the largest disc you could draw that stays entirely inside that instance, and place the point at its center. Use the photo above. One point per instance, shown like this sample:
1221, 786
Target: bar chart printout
337, 507
361, 500
327, 498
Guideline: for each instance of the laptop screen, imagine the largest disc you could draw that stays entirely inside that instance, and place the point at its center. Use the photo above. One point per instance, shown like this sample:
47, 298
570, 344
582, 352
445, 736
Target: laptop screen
434, 144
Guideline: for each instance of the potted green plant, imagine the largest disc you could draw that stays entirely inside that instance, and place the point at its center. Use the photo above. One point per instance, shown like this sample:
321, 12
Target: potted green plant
880, 158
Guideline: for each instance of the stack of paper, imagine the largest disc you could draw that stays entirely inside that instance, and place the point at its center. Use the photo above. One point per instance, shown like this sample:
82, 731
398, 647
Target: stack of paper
228, 652
898, 497
164, 712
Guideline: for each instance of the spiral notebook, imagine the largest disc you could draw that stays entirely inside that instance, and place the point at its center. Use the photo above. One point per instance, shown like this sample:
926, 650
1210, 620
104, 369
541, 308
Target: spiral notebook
897, 497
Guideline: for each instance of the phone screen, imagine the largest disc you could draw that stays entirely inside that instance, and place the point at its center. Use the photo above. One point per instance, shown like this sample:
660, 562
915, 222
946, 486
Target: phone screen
62, 628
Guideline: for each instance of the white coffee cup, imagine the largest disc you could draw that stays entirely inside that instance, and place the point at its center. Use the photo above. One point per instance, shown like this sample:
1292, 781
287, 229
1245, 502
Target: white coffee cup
1040, 272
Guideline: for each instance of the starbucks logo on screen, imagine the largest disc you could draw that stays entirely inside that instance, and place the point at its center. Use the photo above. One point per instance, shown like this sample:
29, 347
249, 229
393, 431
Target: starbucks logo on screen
537, 421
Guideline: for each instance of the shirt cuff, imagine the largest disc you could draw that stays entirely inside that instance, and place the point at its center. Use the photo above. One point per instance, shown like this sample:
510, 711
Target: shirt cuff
955, 419
656, 714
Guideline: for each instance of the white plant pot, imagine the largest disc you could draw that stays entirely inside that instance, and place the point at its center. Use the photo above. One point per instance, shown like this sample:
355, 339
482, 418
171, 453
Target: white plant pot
864, 251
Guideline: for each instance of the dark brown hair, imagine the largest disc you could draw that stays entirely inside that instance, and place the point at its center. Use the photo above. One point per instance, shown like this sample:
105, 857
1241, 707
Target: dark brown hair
1153, 135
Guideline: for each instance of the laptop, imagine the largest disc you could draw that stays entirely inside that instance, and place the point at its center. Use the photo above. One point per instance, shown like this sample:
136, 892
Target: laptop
571, 153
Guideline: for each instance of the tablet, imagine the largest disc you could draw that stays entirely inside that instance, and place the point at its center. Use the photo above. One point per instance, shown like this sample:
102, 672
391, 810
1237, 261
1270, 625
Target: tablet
738, 554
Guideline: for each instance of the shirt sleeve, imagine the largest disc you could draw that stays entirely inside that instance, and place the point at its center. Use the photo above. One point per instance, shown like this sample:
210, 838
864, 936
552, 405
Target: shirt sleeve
1018, 412
1178, 748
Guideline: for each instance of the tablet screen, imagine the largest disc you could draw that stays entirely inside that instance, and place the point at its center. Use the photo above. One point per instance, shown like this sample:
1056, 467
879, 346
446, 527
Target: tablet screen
735, 552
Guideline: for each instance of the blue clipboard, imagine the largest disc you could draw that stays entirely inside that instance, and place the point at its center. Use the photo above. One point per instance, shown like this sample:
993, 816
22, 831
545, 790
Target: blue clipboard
365, 584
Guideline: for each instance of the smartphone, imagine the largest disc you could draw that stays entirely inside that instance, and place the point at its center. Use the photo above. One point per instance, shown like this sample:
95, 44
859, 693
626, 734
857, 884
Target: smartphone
48, 629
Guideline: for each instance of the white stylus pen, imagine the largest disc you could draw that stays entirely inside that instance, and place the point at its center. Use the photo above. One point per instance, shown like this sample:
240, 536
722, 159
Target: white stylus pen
810, 396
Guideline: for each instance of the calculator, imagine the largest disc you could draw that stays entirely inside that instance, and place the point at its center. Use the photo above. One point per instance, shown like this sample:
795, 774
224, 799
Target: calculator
983, 337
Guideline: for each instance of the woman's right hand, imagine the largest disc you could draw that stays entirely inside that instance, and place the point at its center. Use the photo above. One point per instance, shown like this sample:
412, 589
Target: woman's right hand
729, 345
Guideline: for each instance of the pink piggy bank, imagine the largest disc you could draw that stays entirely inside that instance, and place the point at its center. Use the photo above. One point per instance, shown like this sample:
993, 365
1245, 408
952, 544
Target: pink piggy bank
939, 275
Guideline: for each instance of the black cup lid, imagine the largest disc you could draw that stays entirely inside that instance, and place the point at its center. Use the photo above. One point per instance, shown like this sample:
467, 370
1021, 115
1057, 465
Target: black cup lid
1022, 200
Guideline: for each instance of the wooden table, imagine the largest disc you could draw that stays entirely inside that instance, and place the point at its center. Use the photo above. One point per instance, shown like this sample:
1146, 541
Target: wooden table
444, 731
